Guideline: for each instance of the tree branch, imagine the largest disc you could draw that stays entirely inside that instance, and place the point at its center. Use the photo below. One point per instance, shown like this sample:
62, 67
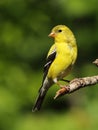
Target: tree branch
78, 83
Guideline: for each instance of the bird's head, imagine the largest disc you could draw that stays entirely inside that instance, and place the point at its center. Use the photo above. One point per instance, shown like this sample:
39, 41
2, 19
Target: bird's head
61, 33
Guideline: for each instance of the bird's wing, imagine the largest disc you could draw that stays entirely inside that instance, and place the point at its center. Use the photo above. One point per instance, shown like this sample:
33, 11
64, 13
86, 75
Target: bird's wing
45, 83
50, 58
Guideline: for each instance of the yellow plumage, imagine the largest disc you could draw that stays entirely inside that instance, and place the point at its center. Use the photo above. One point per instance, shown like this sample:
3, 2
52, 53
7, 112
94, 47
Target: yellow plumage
61, 57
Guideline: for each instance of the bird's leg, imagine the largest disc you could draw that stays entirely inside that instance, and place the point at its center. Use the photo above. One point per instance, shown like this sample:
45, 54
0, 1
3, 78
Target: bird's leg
56, 82
65, 80
63, 89
60, 85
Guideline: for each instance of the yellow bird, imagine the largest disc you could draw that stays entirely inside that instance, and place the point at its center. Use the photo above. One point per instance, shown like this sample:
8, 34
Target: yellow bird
60, 59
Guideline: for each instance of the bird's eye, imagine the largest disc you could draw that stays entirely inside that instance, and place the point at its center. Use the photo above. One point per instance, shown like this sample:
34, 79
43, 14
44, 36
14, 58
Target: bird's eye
59, 30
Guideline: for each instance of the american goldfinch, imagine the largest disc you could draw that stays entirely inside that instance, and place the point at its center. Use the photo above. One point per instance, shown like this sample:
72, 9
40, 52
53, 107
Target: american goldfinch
60, 59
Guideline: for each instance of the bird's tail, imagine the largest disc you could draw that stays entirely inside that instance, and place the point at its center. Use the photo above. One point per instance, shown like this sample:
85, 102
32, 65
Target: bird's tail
39, 102
42, 92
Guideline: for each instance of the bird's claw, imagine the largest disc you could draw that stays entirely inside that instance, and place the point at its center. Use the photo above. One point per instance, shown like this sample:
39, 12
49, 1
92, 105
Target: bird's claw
61, 91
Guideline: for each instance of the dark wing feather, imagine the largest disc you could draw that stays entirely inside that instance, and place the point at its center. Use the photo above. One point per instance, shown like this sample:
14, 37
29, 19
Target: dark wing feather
49, 61
44, 88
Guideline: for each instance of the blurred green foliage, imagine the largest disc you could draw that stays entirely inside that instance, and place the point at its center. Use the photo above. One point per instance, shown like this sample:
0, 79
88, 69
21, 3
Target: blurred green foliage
24, 43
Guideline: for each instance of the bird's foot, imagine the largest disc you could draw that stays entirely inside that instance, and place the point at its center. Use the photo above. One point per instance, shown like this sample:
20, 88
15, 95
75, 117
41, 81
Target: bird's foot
62, 91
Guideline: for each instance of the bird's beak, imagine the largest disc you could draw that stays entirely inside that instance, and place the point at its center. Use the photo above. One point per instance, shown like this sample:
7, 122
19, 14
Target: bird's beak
52, 34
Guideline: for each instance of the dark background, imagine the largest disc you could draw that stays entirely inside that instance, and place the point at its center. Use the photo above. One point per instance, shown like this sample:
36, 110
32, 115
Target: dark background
24, 43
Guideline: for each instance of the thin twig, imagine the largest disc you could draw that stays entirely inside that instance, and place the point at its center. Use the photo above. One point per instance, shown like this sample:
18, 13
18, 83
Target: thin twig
96, 62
